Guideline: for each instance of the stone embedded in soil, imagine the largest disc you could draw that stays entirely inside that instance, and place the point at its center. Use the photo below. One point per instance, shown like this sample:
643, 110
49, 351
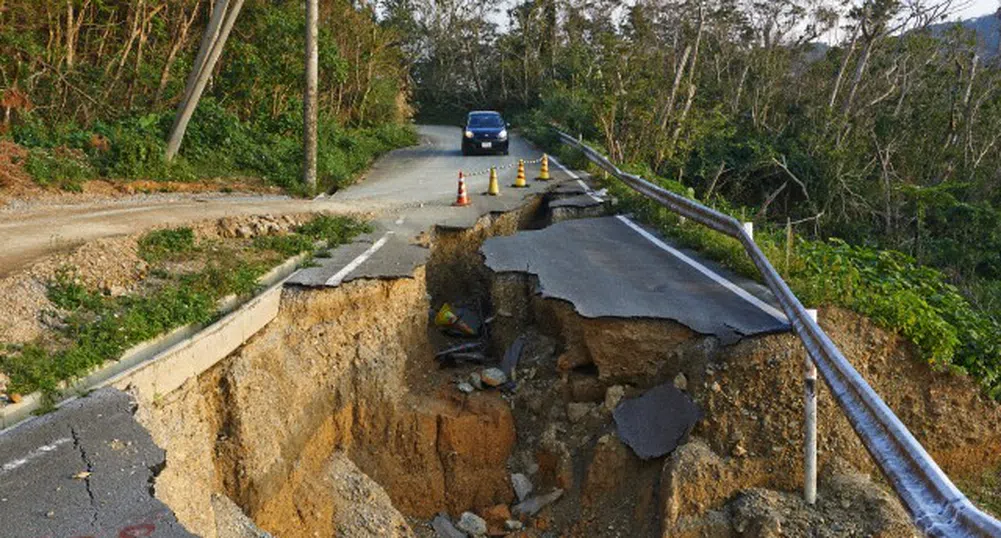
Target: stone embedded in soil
444, 528
522, 486
681, 381
476, 381
473, 524
613, 396
513, 525
493, 377
533, 505
577, 411
466, 388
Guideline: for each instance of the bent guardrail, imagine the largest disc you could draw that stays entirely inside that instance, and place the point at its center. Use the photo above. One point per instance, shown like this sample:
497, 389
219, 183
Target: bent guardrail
935, 504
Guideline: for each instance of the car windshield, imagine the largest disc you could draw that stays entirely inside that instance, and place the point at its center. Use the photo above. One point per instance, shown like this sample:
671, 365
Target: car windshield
485, 120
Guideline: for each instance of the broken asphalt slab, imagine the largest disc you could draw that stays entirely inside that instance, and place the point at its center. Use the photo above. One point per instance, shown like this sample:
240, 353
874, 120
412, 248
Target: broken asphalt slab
655, 423
86, 470
605, 268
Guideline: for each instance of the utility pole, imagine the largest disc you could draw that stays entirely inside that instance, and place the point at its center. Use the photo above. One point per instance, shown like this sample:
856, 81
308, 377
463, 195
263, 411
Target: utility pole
310, 112
216, 33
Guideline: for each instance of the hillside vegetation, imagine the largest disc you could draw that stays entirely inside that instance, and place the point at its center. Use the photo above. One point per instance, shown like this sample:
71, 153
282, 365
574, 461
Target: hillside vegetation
91, 87
881, 152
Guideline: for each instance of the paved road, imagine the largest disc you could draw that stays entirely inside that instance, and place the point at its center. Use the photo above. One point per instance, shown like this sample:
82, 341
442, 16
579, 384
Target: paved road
416, 187
612, 267
83, 471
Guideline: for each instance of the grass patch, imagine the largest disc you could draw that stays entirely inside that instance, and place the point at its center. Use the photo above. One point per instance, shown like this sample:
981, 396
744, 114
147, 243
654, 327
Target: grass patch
161, 244
187, 278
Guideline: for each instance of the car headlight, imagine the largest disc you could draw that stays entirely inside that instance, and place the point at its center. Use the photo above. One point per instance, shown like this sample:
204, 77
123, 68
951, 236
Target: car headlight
503, 134
469, 134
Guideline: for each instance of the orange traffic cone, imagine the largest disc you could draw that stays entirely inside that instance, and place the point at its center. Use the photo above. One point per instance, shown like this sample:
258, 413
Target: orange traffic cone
544, 171
494, 188
519, 181
463, 197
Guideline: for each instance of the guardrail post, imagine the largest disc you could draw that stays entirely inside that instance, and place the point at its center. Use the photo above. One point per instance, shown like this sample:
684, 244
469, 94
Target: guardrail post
810, 441
749, 228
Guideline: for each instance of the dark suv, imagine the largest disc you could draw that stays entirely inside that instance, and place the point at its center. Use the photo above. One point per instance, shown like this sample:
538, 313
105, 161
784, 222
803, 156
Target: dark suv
484, 132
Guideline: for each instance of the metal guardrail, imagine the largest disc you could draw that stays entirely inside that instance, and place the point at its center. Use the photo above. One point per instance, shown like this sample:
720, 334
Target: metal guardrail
936, 506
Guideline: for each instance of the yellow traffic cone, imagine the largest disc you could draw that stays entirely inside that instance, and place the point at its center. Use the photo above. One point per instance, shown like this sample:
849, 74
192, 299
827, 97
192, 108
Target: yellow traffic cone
544, 171
494, 188
519, 182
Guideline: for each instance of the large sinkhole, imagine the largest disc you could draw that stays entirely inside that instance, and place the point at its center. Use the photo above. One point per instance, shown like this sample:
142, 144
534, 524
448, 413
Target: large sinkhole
338, 420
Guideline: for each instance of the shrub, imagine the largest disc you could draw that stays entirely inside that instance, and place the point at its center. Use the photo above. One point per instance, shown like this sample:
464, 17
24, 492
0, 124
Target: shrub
61, 169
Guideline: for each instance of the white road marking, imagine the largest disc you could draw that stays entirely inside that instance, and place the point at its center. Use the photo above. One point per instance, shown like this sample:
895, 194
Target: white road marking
34, 454
572, 175
741, 292
399, 221
339, 277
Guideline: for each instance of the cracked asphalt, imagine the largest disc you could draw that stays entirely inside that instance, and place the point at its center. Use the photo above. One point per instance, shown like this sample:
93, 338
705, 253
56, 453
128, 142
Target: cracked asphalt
607, 268
86, 470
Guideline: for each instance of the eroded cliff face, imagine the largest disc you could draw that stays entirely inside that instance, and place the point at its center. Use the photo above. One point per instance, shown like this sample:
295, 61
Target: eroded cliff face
332, 374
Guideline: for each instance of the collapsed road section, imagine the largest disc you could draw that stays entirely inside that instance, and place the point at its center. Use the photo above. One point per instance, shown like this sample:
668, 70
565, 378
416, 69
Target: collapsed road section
558, 393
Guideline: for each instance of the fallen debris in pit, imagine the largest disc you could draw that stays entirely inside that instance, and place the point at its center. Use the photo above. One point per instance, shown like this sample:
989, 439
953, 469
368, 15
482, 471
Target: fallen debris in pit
472, 524
444, 528
535, 504
657, 422
468, 352
522, 486
493, 377
460, 322
467, 347
511, 357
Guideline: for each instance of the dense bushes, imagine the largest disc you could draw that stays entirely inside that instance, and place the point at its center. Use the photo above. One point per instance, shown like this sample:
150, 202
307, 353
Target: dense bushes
218, 144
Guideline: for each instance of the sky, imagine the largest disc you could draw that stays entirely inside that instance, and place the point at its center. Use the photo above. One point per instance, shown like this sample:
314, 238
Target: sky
977, 8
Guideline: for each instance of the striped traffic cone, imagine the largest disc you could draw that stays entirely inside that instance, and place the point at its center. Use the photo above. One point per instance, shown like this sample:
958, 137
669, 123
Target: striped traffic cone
544, 171
494, 188
463, 198
519, 182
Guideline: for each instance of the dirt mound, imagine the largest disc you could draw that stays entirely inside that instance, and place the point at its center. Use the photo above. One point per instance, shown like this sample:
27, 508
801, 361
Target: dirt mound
753, 398
111, 265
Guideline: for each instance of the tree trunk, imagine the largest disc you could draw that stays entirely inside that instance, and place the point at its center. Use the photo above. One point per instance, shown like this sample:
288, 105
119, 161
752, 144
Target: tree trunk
310, 111
208, 42
187, 106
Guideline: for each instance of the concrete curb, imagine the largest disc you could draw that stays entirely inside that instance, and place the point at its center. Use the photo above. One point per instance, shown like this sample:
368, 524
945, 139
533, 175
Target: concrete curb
158, 366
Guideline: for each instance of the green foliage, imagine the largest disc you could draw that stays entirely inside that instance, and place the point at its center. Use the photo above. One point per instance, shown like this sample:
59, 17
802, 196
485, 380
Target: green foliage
287, 245
64, 171
161, 244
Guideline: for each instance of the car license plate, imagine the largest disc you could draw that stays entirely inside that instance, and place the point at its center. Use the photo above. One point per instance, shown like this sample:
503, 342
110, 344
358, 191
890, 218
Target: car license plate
487, 145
